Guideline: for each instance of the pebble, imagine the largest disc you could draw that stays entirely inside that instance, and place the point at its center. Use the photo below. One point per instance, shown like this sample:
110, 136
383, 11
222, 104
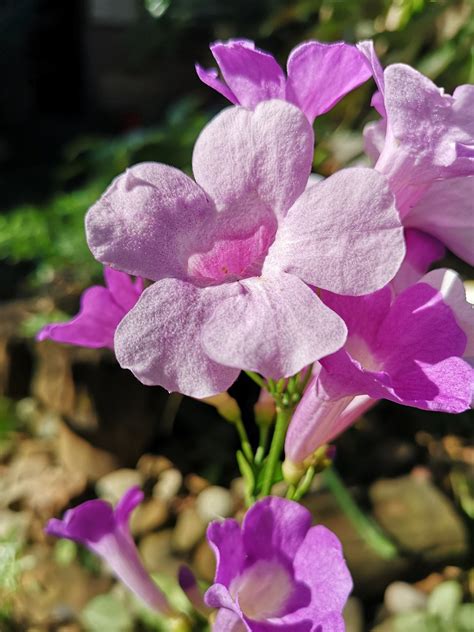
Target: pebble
113, 486
155, 551
204, 562
189, 529
402, 597
354, 615
213, 503
152, 465
168, 485
195, 484
148, 516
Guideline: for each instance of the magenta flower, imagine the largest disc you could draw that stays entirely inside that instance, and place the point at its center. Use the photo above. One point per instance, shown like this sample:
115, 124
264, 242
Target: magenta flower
106, 533
412, 350
276, 572
318, 75
424, 144
233, 252
102, 308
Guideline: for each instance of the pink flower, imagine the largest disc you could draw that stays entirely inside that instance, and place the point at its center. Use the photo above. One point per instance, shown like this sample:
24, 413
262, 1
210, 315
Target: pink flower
318, 75
424, 144
102, 308
232, 253
412, 350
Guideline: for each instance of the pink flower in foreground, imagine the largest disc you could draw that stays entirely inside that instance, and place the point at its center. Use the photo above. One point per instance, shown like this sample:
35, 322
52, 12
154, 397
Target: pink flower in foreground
102, 308
277, 573
106, 533
233, 252
413, 350
318, 75
424, 144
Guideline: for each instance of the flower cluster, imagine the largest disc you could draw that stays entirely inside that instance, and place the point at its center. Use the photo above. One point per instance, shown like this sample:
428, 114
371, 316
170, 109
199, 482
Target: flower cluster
320, 287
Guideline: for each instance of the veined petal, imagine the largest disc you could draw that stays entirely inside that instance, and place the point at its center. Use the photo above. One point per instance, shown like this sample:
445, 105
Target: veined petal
160, 338
149, 221
245, 159
421, 251
251, 74
343, 234
275, 326
319, 75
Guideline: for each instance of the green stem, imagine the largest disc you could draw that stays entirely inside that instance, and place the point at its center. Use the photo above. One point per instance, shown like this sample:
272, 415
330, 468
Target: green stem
244, 440
366, 527
262, 443
305, 484
256, 378
276, 447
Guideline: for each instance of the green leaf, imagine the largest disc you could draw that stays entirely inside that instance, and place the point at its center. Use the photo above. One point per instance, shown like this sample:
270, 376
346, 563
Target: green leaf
106, 613
445, 600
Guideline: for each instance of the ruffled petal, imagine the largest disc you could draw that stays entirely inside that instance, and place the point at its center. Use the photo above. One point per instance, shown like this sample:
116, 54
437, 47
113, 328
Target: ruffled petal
251, 74
227, 621
446, 211
225, 539
343, 234
124, 291
129, 501
247, 159
374, 139
422, 251
160, 338
275, 326
209, 76
368, 51
95, 324
319, 75
149, 221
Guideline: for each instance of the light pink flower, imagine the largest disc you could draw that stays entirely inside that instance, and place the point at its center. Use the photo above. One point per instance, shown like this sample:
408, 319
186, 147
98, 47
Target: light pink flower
102, 308
232, 253
318, 75
424, 144
413, 350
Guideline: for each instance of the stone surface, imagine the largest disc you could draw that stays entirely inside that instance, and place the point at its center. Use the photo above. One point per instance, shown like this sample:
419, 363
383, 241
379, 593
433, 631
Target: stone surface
112, 486
152, 465
168, 484
204, 562
189, 529
403, 597
419, 517
213, 503
155, 551
150, 515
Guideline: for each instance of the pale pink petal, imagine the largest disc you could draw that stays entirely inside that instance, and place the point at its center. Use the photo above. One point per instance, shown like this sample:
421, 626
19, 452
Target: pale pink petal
367, 49
343, 234
275, 326
446, 211
124, 291
319, 75
374, 139
149, 221
251, 74
209, 76
160, 338
449, 284
258, 161
422, 251
228, 621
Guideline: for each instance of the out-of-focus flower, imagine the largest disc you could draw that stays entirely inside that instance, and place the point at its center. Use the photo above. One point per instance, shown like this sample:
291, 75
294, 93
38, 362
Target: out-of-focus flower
318, 75
102, 308
233, 252
413, 350
105, 531
424, 144
276, 572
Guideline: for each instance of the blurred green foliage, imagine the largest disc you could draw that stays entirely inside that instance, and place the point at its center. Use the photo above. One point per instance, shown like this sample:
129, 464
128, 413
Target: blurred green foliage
434, 36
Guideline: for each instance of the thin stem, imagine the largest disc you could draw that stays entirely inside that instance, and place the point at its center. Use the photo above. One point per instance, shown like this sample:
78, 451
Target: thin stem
264, 429
276, 447
244, 440
170, 411
257, 379
304, 484
365, 526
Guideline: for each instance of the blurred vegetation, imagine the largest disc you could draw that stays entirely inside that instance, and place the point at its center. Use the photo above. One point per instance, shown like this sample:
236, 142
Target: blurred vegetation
434, 36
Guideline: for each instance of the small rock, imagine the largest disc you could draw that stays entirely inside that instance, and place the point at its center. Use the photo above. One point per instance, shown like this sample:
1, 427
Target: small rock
402, 597
204, 562
148, 516
168, 484
354, 615
195, 484
113, 486
237, 489
214, 502
14, 522
155, 551
189, 529
152, 465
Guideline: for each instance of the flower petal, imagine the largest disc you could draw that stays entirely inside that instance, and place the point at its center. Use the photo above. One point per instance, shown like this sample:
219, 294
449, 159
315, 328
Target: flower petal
343, 234
319, 75
422, 251
446, 211
149, 221
95, 324
275, 326
251, 74
367, 49
123, 290
225, 539
129, 501
87, 523
209, 76
160, 338
245, 159
228, 621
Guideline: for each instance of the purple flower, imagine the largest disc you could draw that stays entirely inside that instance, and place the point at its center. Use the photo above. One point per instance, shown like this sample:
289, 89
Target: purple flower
413, 350
276, 572
424, 144
233, 252
318, 75
102, 308
106, 533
